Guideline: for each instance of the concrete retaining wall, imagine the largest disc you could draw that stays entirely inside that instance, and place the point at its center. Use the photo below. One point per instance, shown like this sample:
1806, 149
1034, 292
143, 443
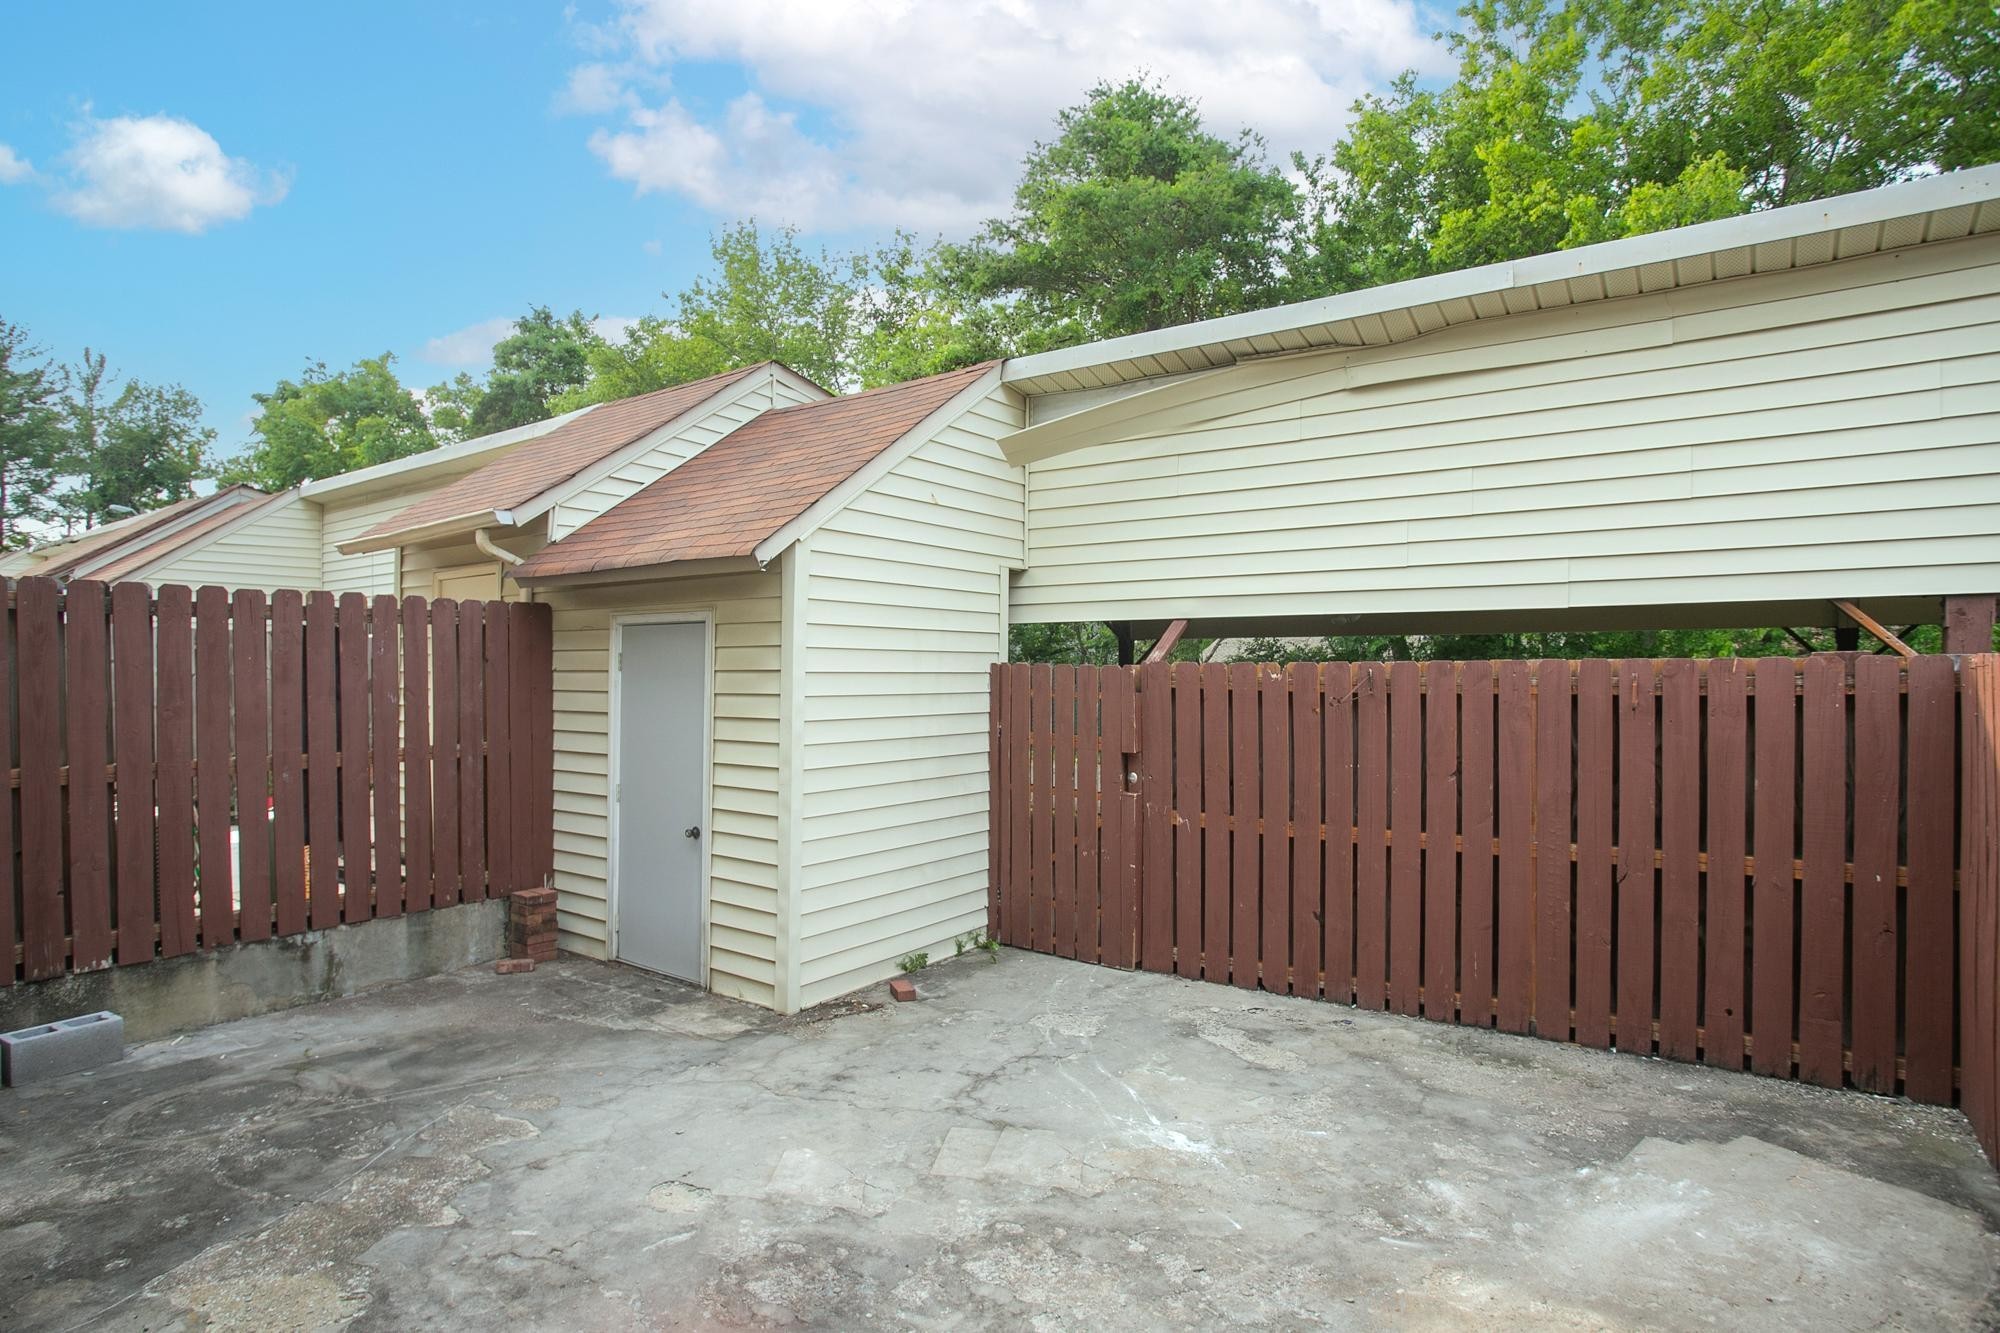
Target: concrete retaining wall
174, 994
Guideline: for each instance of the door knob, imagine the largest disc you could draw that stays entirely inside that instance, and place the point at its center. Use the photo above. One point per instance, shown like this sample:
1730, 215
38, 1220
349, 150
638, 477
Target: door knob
694, 832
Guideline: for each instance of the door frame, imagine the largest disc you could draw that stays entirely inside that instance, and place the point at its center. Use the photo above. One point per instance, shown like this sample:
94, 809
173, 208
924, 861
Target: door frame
614, 797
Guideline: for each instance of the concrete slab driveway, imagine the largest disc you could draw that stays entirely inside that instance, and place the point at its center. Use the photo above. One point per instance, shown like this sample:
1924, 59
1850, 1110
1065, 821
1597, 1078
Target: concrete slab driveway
1037, 1144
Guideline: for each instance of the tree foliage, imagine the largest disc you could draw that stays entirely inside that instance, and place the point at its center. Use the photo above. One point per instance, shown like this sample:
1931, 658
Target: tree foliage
325, 423
143, 447
1134, 217
32, 435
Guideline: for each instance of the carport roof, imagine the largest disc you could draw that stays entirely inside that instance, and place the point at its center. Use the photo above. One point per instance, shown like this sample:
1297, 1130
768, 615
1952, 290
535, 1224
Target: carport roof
732, 498
1935, 208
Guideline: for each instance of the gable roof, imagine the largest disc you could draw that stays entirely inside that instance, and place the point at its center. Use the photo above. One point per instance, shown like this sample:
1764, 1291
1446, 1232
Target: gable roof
728, 500
549, 460
134, 558
1935, 208
107, 552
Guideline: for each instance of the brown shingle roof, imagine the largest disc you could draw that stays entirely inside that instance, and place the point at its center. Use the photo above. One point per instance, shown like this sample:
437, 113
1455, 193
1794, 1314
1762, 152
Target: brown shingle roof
530, 469
746, 486
136, 557
137, 535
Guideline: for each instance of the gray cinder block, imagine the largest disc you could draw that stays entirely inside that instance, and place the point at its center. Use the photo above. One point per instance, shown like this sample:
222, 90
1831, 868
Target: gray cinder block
68, 1046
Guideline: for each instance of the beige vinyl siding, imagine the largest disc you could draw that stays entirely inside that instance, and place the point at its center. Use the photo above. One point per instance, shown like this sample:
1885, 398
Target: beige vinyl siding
1828, 432
904, 612
374, 572
743, 885
278, 548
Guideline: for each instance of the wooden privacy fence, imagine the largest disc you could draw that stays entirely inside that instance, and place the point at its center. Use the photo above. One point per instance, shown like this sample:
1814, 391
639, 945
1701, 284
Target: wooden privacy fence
195, 769
1749, 863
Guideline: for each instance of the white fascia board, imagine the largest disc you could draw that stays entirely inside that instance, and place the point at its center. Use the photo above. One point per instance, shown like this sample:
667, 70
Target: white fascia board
443, 527
1887, 203
443, 456
876, 468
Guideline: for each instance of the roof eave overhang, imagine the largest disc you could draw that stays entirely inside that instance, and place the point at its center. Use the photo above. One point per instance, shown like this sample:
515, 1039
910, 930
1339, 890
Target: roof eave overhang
457, 525
1224, 341
672, 569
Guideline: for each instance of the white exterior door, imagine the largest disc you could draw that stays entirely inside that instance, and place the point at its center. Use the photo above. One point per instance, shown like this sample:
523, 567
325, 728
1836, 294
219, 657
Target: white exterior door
661, 796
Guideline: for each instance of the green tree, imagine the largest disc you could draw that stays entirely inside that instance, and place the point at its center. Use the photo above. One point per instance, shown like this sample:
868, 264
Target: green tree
144, 448
1576, 121
31, 435
921, 316
1134, 217
543, 359
771, 299
450, 406
323, 424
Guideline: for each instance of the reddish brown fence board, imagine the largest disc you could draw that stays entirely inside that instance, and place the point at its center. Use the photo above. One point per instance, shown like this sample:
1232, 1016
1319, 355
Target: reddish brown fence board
1604, 852
198, 770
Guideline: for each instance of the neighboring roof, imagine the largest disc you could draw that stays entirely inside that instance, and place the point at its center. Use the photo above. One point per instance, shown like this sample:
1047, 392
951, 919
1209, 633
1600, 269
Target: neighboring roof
101, 552
553, 458
1936, 208
133, 558
726, 501
464, 454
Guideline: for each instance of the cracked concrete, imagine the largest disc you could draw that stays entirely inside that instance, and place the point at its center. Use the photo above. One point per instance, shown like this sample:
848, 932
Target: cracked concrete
1038, 1143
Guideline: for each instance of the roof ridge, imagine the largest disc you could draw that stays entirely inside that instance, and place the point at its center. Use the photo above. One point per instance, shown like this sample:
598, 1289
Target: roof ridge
880, 389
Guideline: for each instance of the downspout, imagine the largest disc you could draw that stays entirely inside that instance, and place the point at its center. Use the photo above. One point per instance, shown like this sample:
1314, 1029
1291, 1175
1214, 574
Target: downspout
504, 556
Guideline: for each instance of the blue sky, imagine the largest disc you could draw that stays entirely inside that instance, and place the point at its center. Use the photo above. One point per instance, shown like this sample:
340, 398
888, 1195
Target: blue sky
215, 194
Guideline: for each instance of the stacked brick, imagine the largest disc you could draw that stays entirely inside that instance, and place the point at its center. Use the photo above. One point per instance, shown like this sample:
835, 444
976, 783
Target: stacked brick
531, 925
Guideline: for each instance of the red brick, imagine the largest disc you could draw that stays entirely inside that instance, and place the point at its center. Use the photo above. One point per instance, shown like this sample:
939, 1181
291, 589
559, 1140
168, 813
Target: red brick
902, 989
508, 967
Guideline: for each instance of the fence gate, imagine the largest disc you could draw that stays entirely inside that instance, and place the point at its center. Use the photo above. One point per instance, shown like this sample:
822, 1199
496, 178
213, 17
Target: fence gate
1774, 865
192, 769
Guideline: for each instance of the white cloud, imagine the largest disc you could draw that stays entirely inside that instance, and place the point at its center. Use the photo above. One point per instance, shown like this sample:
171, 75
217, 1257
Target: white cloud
471, 348
13, 167
918, 115
162, 172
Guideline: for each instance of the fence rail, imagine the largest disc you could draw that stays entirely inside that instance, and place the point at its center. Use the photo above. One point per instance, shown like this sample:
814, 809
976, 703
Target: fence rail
1749, 863
181, 780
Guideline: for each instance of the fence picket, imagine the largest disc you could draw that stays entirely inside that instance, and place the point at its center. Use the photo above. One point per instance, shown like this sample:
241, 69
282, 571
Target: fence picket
1877, 803
1245, 809
87, 731
322, 764
1476, 940
43, 948
419, 872
1406, 821
1637, 899
133, 711
1594, 884
288, 748
1554, 912
1308, 847
1065, 815
1823, 897
1515, 923
384, 772
1680, 858
1371, 838
1216, 914
173, 650
356, 817
1274, 938
1156, 888
251, 740
1726, 956
499, 755
1929, 961
472, 867
448, 887
214, 794
1771, 926
9, 917
1092, 812
1187, 827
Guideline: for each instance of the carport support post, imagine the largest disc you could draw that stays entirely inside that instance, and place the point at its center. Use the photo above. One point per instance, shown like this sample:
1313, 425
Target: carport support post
1968, 624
